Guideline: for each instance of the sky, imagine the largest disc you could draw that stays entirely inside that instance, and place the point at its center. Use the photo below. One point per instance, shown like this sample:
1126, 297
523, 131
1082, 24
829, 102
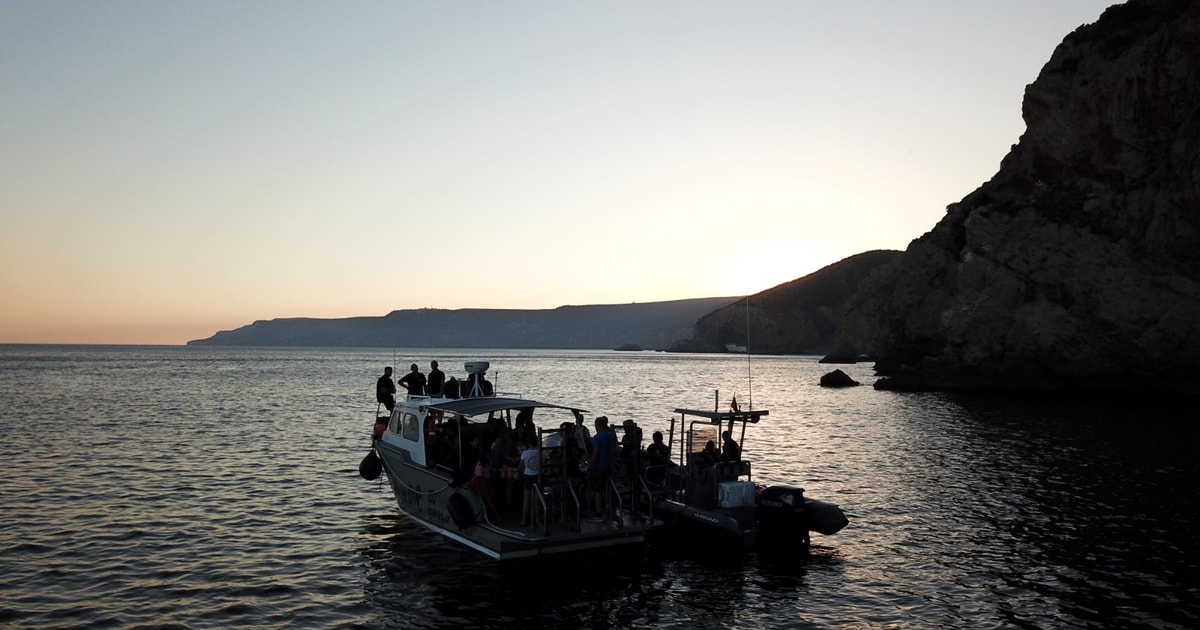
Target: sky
172, 169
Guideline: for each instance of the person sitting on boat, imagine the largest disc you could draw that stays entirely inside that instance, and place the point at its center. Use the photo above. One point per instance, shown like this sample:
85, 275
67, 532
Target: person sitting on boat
710, 454
414, 381
385, 389
478, 385
733, 452
657, 454
658, 457
451, 388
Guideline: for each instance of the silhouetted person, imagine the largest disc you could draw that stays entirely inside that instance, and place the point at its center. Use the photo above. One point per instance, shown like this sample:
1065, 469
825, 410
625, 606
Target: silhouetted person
385, 389
658, 456
436, 380
600, 467
733, 452
414, 381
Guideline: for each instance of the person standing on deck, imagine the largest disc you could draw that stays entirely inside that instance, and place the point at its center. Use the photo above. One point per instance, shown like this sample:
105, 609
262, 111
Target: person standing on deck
600, 466
531, 466
414, 381
385, 389
437, 378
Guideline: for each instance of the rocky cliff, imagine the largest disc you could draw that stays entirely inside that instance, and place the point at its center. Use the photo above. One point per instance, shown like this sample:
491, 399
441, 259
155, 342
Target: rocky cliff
797, 317
1075, 268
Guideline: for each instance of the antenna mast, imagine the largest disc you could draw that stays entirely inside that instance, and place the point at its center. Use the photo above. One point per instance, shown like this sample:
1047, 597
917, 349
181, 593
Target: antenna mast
749, 377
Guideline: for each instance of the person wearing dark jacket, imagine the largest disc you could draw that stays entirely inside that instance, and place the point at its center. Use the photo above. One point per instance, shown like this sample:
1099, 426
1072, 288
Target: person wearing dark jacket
414, 381
385, 389
435, 381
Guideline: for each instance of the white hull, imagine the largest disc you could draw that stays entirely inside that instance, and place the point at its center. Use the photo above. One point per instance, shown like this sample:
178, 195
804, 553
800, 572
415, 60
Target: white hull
427, 449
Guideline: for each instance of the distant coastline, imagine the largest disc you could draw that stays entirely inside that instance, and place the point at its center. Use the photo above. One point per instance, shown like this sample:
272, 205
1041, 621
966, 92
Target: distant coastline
650, 325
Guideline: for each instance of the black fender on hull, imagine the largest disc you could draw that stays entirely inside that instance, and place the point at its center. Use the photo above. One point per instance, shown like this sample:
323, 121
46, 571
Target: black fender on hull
370, 467
460, 511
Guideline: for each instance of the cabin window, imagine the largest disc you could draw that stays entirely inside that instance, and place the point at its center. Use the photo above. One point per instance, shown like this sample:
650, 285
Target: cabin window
412, 427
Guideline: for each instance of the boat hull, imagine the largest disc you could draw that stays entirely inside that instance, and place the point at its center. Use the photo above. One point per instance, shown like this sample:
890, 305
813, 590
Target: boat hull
431, 498
781, 521
727, 529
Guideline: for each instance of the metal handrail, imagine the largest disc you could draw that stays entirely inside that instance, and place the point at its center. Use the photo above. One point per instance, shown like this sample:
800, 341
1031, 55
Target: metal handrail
611, 490
537, 492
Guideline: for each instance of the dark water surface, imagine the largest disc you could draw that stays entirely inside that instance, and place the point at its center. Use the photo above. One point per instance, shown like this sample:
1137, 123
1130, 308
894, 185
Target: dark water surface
211, 487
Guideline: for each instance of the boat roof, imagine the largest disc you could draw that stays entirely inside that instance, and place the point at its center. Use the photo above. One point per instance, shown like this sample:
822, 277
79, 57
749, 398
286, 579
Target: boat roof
489, 404
718, 417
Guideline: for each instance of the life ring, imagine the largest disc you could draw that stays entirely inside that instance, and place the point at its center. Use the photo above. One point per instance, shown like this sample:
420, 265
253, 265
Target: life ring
460, 511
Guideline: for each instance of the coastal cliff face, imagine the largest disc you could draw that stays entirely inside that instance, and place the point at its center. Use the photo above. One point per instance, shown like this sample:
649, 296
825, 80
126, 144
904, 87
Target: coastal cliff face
797, 317
1077, 266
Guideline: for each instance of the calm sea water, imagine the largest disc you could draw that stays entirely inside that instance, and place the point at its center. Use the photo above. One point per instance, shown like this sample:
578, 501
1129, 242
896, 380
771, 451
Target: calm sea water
214, 487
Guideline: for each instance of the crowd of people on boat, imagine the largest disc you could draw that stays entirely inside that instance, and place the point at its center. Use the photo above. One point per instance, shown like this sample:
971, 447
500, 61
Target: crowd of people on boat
499, 462
434, 385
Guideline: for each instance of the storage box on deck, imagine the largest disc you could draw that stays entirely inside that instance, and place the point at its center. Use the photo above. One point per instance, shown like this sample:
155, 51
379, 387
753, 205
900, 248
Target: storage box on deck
735, 494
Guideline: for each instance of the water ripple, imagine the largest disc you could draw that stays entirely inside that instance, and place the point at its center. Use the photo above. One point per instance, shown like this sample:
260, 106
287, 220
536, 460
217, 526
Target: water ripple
183, 487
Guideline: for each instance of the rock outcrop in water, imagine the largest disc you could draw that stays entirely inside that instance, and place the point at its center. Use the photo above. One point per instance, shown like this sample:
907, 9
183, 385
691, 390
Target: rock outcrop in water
1075, 268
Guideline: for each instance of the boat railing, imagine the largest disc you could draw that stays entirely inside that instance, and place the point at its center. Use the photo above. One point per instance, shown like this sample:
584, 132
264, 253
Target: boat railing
541, 502
675, 478
649, 496
572, 524
612, 492
659, 474
730, 471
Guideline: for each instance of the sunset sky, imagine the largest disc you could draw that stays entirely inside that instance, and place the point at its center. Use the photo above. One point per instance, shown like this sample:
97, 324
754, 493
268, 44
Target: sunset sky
172, 169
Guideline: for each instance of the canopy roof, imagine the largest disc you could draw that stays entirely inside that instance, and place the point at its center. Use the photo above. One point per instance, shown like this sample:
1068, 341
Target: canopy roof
717, 417
488, 404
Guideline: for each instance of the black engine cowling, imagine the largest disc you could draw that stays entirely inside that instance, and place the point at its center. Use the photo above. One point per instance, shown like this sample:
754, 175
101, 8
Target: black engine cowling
783, 518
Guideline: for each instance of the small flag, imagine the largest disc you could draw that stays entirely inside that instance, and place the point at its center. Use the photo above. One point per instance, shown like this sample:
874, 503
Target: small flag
733, 406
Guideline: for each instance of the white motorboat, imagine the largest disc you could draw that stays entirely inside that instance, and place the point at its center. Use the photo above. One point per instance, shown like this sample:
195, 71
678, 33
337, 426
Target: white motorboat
428, 447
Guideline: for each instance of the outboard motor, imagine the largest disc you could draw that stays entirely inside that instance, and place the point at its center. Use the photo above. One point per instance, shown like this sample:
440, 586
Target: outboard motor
782, 519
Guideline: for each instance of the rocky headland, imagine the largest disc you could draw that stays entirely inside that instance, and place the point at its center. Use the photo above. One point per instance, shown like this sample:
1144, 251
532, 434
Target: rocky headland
802, 316
1075, 268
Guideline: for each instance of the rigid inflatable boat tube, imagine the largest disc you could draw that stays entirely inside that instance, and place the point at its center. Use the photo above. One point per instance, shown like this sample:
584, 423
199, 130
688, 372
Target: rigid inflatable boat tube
825, 518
